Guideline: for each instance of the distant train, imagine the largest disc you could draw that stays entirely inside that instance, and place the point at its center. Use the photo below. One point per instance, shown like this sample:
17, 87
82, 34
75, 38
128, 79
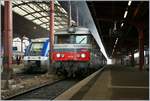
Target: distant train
75, 52
36, 55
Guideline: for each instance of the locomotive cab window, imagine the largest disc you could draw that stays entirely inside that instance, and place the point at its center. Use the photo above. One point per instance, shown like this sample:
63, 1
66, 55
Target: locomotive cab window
82, 39
36, 48
62, 39
72, 39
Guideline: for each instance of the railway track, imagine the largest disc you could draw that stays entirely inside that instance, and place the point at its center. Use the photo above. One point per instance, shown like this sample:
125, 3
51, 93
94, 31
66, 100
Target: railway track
45, 92
48, 90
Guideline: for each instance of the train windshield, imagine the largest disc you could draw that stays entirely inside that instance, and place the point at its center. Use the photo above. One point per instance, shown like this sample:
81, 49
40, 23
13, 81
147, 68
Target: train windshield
81, 39
72, 39
35, 49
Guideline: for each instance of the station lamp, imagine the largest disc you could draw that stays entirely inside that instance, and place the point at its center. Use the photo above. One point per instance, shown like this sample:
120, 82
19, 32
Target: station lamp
129, 3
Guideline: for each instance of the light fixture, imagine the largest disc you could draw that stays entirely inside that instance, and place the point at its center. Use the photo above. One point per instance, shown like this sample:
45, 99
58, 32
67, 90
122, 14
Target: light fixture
125, 14
62, 55
115, 26
122, 24
115, 45
116, 41
129, 3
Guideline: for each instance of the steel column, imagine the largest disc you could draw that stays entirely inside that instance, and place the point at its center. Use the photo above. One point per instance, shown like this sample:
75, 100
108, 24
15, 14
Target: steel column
7, 35
69, 14
77, 16
21, 44
51, 25
140, 27
7, 60
141, 49
132, 58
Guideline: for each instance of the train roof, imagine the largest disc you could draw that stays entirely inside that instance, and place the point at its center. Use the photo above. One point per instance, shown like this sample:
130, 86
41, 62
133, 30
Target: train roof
73, 30
39, 39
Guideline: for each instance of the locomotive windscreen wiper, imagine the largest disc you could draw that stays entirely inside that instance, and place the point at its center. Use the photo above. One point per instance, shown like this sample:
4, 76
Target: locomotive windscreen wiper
82, 40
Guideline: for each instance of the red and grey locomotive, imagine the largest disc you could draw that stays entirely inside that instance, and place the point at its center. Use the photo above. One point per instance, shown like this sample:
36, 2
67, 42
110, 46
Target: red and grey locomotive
76, 52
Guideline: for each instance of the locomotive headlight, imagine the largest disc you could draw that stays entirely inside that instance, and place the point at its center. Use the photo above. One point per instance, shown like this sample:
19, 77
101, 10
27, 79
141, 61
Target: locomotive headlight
58, 55
62, 55
83, 55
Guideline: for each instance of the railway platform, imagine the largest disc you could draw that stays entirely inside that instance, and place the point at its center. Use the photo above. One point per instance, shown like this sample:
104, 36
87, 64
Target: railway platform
114, 83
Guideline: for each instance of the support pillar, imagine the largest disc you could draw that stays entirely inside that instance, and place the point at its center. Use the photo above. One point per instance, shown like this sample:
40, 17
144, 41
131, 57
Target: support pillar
21, 44
141, 49
51, 36
7, 60
140, 27
21, 56
132, 58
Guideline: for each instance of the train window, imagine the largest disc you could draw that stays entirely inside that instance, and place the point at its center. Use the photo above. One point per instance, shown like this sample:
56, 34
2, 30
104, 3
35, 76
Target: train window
82, 39
15, 48
36, 48
72, 39
62, 39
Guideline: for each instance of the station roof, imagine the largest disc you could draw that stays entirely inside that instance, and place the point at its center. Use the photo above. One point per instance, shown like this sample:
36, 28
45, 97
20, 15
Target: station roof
117, 33
37, 12
116, 29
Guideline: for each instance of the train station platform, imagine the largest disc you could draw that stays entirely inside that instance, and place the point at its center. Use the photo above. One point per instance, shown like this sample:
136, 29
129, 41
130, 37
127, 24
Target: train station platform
115, 83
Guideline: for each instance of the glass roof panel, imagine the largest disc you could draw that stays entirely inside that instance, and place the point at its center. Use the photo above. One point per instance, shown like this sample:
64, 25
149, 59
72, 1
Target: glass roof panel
56, 27
27, 8
25, 1
43, 25
62, 9
17, 1
2, 2
34, 7
61, 26
47, 17
56, 23
39, 12
30, 17
55, 14
36, 14
44, 20
43, 13
59, 18
56, 2
64, 22
37, 21
19, 11
44, 6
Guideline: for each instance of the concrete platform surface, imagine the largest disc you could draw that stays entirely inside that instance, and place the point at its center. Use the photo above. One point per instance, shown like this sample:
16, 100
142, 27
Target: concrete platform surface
116, 83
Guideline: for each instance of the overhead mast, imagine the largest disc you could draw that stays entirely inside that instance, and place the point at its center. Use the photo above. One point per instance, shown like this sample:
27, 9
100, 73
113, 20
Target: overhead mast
69, 19
77, 16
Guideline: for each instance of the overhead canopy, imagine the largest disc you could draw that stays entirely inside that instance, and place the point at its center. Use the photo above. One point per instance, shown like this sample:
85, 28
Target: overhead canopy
37, 12
116, 20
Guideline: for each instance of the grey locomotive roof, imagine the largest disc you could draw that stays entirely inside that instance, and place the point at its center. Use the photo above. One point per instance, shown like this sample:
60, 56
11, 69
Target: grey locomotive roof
78, 30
